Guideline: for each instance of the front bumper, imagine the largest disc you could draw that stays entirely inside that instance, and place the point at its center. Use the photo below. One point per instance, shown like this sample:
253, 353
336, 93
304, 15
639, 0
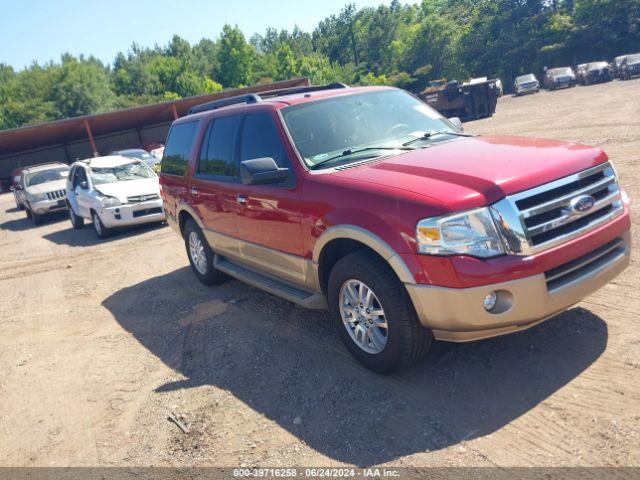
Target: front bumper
132, 214
528, 89
44, 207
458, 315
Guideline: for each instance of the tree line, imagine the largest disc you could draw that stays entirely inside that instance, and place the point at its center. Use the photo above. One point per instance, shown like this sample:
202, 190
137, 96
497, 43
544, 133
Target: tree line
406, 45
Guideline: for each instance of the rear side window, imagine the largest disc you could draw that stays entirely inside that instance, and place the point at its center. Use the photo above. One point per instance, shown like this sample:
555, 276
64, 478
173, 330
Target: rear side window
218, 149
178, 145
260, 139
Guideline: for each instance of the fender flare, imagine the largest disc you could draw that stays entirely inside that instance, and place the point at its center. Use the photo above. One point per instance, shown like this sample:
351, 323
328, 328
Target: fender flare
191, 212
369, 239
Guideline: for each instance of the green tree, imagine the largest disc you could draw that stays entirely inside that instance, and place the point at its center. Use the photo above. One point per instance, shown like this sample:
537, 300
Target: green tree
235, 57
287, 66
81, 87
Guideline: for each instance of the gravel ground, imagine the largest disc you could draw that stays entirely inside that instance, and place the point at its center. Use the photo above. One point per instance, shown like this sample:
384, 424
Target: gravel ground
101, 341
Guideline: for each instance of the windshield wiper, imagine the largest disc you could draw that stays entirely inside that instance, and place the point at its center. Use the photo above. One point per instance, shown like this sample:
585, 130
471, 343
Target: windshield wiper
351, 151
428, 135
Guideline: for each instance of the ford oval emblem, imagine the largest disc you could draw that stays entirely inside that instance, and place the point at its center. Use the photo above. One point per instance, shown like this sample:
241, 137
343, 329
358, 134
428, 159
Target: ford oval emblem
582, 204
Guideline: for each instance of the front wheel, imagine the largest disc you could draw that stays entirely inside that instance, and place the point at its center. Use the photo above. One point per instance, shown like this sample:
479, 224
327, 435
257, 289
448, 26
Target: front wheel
374, 314
200, 255
98, 226
35, 218
76, 222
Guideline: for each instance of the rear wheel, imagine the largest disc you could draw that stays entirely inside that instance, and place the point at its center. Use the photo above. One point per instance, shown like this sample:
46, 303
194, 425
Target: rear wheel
374, 314
200, 255
98, 226
76, 222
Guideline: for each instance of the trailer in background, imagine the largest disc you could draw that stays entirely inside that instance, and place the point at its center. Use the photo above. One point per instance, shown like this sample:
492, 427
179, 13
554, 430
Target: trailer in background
467, 101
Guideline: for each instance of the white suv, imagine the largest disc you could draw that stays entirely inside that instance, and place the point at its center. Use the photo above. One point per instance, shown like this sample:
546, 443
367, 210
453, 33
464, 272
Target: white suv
112, 192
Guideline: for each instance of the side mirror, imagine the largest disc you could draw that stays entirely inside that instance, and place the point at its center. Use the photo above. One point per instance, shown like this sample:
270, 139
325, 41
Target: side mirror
84, 185
455, 121
261, 171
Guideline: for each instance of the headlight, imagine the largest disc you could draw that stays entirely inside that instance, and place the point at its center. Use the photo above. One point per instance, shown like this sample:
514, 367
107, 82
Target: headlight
469, 233
37, 197
109, 201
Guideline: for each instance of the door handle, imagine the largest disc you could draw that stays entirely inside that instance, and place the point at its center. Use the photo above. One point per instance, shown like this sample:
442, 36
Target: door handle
240, 198
194, 191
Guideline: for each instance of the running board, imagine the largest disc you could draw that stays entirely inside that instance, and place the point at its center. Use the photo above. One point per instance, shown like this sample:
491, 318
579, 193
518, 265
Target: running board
269, 284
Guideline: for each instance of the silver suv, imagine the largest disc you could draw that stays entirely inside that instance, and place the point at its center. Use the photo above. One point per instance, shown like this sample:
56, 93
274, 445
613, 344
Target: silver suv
42, 190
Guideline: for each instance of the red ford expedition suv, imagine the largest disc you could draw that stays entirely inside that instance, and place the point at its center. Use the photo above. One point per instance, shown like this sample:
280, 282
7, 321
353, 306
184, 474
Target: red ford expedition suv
368, 203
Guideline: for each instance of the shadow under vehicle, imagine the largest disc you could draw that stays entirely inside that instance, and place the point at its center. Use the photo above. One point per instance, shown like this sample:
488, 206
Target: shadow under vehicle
467, 101
285, 362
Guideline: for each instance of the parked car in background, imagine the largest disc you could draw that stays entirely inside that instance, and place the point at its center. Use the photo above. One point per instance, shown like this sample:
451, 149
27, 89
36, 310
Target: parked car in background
526, 84
158, 152
140, 154
562, 77
581, 70
630, 66
369, 203
113, 191
41, 190
615, 65
597, 72
15, 181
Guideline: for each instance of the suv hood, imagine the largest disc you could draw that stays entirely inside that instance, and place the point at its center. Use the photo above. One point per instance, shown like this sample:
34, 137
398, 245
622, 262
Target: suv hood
47, 187
130, 188
476, 171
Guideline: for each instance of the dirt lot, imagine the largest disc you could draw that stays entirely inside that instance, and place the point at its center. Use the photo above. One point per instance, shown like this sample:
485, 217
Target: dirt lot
100, 340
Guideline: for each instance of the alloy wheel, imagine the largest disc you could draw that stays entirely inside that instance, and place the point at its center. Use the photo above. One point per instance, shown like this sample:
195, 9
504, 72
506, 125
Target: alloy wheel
197, 253
97, 224
363, 316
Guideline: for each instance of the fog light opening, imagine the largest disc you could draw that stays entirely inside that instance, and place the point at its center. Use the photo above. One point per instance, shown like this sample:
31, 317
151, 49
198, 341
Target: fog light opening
489, 302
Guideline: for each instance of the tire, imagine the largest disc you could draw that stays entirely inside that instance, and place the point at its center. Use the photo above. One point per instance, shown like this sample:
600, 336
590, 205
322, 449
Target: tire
200, 255
35, 218
98, 226
406, 339
28, 212
76, 222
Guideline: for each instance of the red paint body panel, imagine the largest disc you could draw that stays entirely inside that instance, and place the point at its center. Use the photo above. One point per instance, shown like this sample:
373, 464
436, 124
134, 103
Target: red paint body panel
389, 196
471, 172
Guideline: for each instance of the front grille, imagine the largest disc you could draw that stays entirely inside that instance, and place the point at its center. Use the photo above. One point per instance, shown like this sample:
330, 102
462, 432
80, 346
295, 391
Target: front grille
546, 215
142, 198
57, 194
575, 269
147, 211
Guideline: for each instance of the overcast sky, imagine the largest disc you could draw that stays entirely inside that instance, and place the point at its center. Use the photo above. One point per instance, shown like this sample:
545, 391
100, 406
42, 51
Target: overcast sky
42, 30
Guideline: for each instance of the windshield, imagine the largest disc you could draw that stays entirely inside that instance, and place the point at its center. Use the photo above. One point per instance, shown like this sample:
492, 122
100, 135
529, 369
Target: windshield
385, 118
120, 173
598, 65
633, 58
44, 176
560, 71
526, 78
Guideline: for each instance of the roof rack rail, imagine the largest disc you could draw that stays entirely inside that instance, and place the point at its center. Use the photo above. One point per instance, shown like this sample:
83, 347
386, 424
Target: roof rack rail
307, 89
257, 97
224, 102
